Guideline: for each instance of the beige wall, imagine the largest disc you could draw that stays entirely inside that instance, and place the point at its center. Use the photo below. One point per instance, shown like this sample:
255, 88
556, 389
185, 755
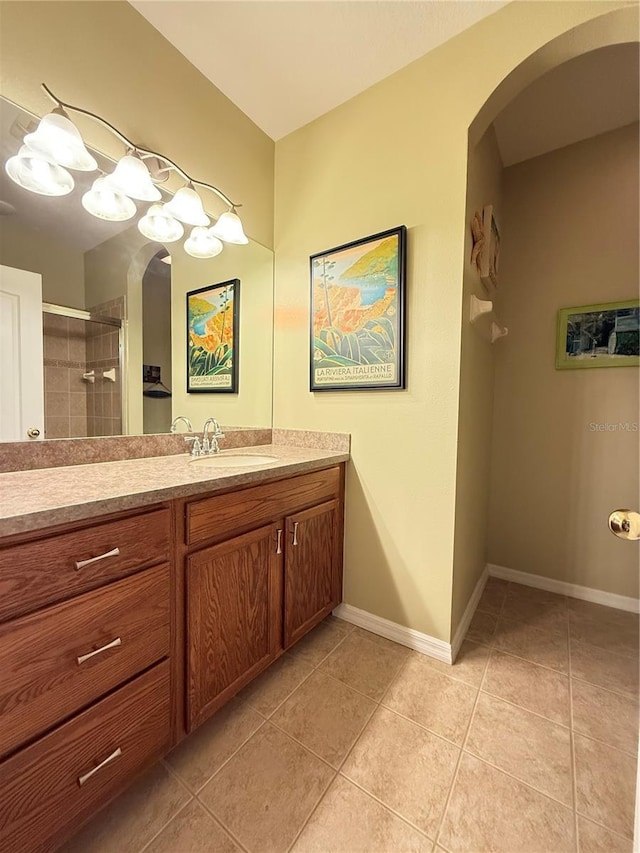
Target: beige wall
397, 154
253, 265
61, 267
484, 186
156, 347
570, 237
106, 57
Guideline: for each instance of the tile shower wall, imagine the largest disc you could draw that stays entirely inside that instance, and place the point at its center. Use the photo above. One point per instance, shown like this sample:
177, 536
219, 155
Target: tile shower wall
104, 398
72, 347
65, 399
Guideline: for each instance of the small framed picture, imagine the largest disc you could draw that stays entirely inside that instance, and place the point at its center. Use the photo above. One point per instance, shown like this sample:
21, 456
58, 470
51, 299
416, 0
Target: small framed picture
358, 296
213, 338
604, 335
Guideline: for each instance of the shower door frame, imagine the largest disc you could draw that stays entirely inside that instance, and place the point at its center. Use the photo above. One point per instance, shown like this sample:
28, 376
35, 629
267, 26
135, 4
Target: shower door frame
79, 314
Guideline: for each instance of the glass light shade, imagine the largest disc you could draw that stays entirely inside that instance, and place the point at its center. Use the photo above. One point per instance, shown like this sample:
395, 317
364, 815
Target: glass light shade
38, 174
58, 139
159, 226
229, 228
131, 177
105, 203
202, 244
187, 207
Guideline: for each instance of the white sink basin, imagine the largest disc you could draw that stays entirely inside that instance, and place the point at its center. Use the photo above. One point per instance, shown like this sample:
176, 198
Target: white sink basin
234, 460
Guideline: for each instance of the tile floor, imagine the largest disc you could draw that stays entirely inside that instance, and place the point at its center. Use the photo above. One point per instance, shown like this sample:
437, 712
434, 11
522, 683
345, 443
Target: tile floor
353, 744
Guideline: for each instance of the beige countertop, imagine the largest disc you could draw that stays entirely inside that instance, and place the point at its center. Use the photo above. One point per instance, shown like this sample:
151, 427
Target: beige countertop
31, 500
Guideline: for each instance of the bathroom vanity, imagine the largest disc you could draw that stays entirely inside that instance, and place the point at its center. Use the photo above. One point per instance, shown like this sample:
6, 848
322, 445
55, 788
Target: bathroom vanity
122, 632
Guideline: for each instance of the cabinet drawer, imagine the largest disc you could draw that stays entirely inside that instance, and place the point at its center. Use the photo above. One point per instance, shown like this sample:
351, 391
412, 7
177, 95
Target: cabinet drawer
56, 661
221, 514
47, 789
48, 570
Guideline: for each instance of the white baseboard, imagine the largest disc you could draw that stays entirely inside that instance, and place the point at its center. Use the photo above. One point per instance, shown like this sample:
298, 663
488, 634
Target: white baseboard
415, 640
573, 590
467, 616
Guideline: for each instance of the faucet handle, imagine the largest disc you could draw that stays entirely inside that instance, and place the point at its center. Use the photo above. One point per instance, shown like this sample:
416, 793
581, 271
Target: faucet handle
196, 449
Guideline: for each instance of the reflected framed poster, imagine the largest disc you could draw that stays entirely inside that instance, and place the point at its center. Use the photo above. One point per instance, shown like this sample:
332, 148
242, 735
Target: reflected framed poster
213, 338
358, 296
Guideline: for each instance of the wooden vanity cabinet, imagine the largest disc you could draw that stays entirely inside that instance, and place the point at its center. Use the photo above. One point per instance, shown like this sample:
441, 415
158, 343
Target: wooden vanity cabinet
119, 635
259, 587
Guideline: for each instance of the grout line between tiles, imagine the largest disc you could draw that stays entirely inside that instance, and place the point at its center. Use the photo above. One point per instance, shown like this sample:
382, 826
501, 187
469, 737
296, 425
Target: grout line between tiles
464, 739
165, 825
387, 807
608, 689
214, 817
528, 710
311, 814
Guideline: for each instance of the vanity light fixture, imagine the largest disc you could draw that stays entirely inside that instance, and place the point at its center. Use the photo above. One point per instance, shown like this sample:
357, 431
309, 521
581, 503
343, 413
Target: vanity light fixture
131, 177
186, 206
56, 143
58, 139
229, 228
202, 243
105, 203
159, 226
38, 174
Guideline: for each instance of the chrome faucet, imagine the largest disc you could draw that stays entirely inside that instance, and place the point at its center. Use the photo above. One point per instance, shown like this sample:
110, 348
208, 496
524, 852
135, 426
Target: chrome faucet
176, 421
210, 445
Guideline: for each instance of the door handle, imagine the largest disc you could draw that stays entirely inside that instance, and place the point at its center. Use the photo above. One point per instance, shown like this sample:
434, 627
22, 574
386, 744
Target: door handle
279, 541
294, 541
86, 776
112, 645
80, 564
625, 524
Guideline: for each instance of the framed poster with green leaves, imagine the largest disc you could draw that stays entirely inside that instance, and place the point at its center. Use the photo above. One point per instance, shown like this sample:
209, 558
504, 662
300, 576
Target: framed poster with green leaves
357, 314
212, 338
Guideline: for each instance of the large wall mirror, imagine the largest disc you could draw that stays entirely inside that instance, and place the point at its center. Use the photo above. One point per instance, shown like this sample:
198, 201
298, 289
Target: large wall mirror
113, 305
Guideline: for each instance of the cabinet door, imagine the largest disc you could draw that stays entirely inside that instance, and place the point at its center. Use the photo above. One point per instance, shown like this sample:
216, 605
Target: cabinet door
234, 618
311, 569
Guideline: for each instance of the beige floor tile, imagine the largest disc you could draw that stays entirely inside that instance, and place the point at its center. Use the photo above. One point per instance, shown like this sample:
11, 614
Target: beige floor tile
619, 635
605, 785
483, 627
325, 715
595, 839
270, 689
547, 615
349, 821
520, 592
192, 830
266, 792
489, 811
198, 757
604, 668
406, 767
493, 596
433, 700
590, 611
606, 716
531, 748
469, 666
365, 662
135, 817
538, 646
533, 687
320, 642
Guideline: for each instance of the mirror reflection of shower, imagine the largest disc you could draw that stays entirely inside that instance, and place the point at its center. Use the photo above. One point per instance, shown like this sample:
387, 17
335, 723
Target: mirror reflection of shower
83, 370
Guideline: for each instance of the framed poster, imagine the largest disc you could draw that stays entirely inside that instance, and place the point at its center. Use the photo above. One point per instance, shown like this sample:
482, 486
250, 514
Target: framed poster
213, 338
604, 335
357, 314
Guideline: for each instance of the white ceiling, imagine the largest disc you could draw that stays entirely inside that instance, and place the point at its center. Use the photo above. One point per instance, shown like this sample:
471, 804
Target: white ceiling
286, 63
592, 94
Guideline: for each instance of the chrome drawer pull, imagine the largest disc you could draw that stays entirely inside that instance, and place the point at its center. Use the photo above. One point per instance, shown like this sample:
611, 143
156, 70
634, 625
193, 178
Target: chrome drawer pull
116, 754
295, 533
82, 563
111, 645
279, 541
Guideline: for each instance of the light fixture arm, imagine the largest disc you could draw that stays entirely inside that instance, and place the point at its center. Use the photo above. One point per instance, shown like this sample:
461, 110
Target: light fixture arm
140, 150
